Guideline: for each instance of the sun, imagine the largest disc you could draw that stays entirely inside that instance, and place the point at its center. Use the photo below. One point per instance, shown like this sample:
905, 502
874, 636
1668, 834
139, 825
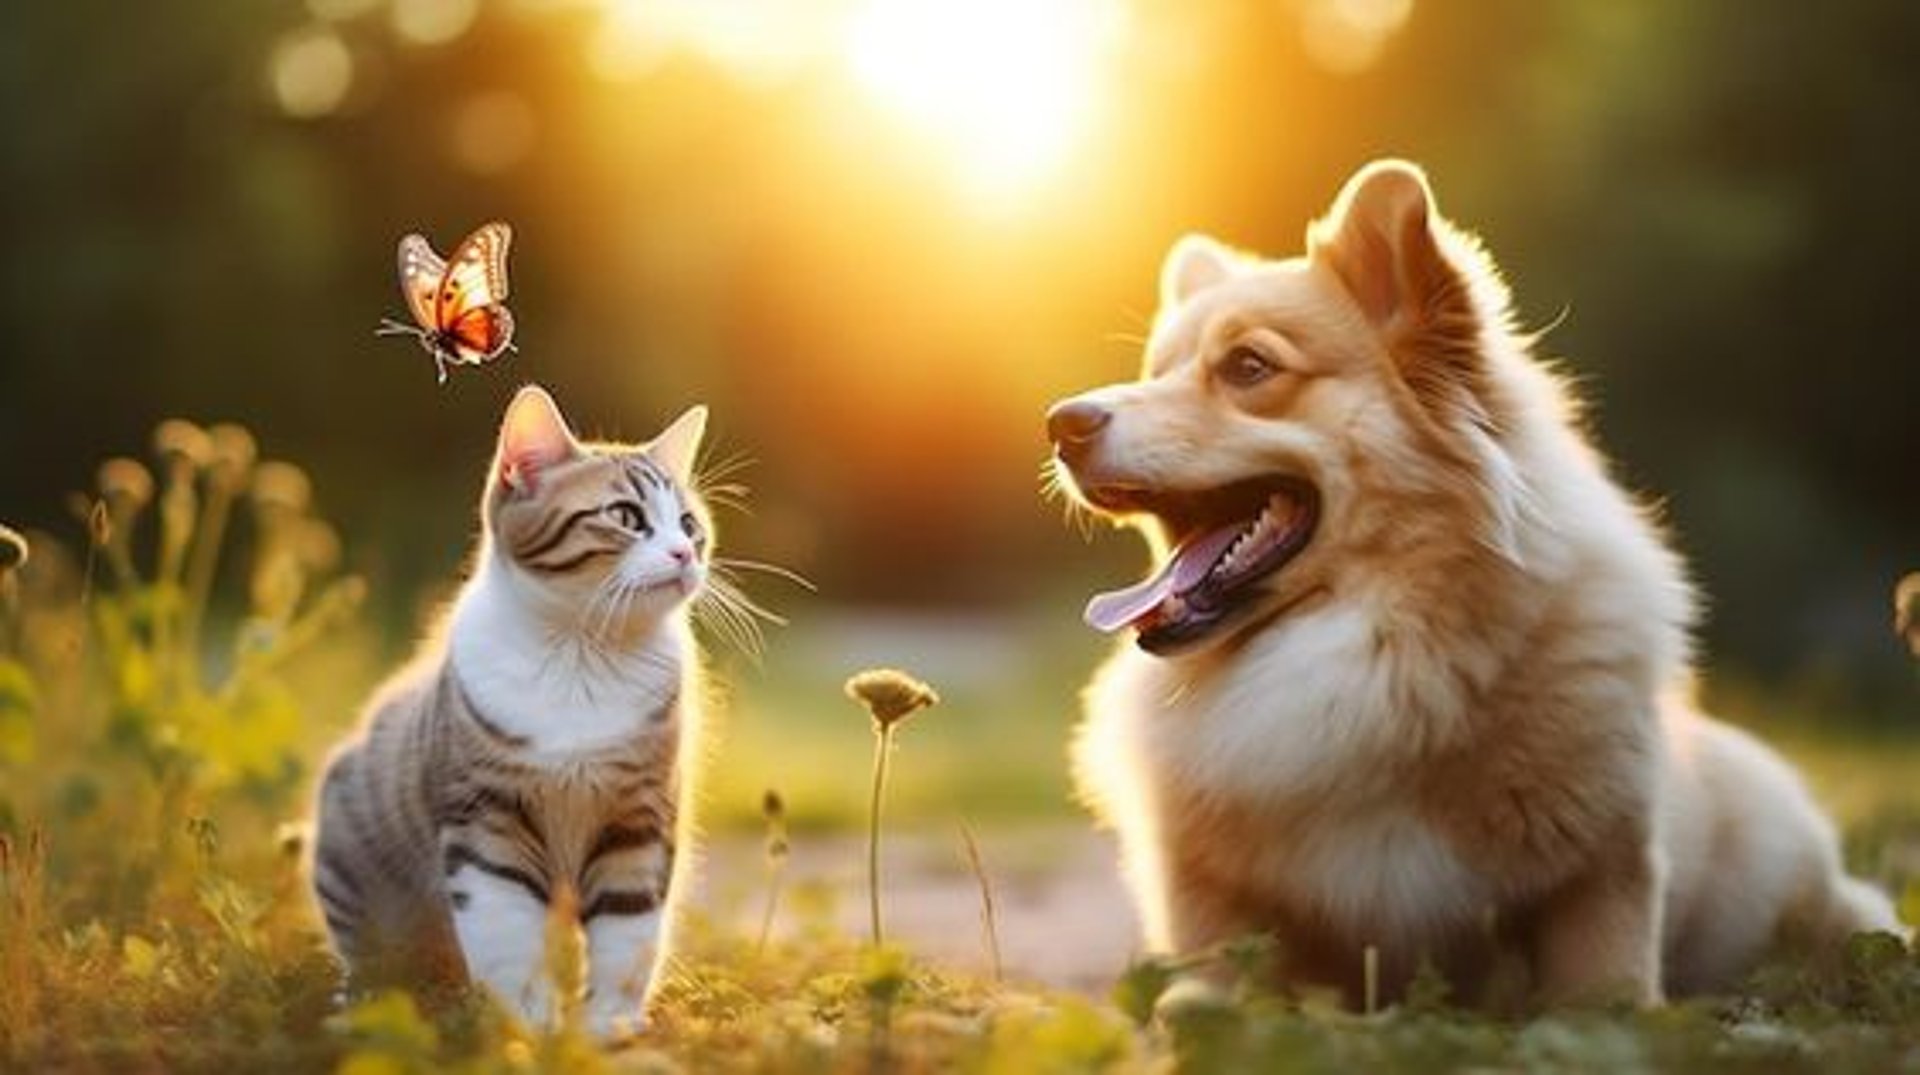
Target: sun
1003, 88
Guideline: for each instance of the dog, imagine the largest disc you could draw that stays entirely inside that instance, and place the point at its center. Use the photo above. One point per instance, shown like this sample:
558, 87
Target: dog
1408, 684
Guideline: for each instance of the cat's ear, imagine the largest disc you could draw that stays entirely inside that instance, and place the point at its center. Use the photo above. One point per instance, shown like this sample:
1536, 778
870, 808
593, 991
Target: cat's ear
677, 446
533, 437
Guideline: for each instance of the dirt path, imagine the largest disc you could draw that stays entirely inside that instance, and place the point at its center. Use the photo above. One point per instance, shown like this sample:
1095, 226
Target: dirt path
1063, 916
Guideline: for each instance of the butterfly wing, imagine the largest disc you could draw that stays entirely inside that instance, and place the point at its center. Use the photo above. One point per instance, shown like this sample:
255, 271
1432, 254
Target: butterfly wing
476, 275
481, 333
421, 275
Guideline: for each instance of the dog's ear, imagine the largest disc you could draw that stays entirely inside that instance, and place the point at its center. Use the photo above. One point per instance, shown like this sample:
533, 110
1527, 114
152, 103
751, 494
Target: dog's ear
1378, 239
1196, 262
1391, 251
1430, 291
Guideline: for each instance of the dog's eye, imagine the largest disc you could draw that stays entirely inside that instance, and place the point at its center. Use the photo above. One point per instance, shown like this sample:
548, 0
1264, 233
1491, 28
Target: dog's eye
1244, 367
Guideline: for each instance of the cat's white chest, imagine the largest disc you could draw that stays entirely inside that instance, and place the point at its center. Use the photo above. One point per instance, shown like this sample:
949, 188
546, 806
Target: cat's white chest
561, 698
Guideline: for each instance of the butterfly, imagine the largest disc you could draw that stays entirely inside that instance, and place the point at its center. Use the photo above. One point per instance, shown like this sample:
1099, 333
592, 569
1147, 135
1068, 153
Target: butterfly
458, 306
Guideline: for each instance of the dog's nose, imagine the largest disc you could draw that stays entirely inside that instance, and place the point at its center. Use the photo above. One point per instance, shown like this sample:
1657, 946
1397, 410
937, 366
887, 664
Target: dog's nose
1076, 421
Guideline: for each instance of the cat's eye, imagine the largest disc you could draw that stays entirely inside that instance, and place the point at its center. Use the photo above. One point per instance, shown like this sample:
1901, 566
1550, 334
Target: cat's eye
628, 515
1244, 367
688, 524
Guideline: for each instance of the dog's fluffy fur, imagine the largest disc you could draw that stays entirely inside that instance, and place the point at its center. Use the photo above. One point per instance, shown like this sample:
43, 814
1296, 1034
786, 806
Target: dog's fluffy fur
1456, 725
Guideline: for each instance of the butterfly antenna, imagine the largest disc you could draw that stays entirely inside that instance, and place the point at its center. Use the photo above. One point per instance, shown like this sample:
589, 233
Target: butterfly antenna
389, 327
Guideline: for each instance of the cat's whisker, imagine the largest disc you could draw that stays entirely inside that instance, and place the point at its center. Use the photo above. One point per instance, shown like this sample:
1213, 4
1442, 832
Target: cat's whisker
724, 498
709, 618
734, 616
618, 610
726, 563
708, 476
593, 615
746, 611
750, 612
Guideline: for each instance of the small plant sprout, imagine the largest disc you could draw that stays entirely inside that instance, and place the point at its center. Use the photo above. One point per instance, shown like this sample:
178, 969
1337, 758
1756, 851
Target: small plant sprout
183, 449
890, 696
126, 488
774, 809
989, 921
99, 530
232, 451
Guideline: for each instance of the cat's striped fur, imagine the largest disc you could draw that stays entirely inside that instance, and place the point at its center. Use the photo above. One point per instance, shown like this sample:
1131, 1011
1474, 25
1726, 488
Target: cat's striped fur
543, 745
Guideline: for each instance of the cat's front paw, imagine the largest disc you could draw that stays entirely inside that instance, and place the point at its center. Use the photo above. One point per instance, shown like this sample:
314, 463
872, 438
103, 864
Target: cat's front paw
613, 1024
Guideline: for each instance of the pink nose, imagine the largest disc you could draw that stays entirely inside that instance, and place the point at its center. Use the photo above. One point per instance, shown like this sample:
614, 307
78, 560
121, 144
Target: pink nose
682, 555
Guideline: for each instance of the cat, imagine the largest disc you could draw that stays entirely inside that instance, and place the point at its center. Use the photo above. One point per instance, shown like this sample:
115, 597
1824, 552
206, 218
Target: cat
541, 747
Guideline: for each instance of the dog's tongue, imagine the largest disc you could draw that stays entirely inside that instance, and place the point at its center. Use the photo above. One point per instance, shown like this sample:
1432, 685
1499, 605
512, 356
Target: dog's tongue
1189, 564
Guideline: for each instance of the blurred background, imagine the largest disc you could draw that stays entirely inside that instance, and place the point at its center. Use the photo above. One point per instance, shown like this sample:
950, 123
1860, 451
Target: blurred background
879, 236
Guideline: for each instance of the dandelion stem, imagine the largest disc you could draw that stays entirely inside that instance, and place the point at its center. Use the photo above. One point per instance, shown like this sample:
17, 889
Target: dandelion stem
890, 696
883, 746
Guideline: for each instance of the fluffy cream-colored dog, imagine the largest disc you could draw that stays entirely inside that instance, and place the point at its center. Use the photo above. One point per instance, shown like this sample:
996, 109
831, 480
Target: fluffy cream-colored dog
1410, 671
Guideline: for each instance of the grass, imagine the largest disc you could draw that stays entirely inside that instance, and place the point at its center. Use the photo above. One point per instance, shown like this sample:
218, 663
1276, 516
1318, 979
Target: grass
157, 733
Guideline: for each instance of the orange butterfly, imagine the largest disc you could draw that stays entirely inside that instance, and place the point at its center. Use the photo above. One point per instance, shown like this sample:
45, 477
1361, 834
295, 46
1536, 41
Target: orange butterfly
459, 308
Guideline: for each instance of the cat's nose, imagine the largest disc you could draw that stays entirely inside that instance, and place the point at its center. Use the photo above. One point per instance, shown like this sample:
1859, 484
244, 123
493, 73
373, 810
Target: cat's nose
683, 555
1074, 422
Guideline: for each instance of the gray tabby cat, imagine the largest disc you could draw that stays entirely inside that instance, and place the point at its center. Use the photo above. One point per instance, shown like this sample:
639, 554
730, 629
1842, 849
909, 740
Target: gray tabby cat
543, 742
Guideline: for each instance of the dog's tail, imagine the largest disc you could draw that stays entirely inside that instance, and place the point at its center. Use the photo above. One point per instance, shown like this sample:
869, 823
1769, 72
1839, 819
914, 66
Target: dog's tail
1859, 907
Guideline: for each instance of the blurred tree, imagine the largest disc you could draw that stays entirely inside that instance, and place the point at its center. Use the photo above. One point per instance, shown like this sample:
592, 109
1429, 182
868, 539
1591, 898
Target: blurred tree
1718, 198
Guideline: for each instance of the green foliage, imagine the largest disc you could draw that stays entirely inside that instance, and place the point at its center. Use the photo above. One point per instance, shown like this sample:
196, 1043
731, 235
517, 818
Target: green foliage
119, 720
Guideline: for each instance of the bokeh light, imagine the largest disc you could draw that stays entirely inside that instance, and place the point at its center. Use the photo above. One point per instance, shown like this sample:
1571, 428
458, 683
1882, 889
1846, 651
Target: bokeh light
433, 22
310, 72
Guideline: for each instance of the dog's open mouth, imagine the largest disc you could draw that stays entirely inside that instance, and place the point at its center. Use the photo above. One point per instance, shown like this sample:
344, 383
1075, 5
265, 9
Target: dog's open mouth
1226, 541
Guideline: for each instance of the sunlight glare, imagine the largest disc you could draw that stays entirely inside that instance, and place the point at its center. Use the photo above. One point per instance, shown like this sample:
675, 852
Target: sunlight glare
1005, 87
757, 42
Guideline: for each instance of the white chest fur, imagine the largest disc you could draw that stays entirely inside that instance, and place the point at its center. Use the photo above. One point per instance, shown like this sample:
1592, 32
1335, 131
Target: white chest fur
1287, 747
546, 686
